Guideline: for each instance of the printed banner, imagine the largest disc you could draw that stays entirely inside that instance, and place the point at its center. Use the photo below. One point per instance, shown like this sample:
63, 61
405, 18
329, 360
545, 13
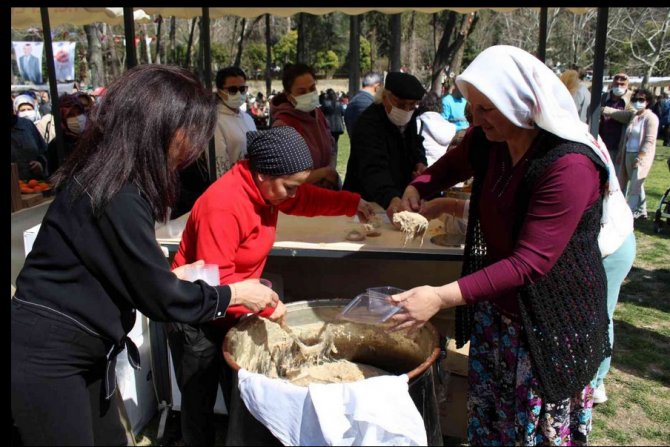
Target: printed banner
29, 60
64, 60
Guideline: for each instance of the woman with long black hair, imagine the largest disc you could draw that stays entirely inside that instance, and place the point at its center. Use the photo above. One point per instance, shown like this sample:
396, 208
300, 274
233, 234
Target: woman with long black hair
96, 260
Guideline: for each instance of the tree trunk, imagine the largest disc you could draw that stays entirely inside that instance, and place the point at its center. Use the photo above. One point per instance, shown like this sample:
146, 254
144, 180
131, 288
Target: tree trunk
95, 55
143, 45
232, 41
446, 50
354, 54
412, 45
159, 59
300, 56
240, 44
173, 40
467, 26
396, 41
114, 62
187, 62
268, 56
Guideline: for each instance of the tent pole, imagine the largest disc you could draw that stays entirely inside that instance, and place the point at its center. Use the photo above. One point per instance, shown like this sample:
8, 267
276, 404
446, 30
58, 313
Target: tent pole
53, 85
129, 29
598, 70
354, 54
542, 44
205, 36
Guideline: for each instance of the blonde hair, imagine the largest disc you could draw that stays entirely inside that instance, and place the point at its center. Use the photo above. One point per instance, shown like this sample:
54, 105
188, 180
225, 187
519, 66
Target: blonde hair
570, 78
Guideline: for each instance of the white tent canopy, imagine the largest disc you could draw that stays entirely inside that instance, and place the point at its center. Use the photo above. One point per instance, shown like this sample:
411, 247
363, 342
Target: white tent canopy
23, 18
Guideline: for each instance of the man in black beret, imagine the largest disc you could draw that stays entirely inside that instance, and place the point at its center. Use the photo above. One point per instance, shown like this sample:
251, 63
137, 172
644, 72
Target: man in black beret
386, 152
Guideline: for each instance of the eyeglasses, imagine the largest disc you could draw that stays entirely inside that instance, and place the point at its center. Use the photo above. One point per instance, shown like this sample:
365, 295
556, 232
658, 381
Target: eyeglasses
620, 78
639, 99
234, 89
407, 105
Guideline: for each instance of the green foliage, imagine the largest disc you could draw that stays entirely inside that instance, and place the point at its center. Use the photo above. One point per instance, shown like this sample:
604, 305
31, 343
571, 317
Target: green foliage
253, 58
326, 62
286, 49
220, 55
365, 61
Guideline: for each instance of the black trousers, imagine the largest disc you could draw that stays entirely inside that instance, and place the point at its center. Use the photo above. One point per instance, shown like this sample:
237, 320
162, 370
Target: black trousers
199, 370
57, 371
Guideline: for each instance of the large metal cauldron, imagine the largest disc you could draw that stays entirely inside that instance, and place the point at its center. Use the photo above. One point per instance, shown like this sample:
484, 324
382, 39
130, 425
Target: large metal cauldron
247, 347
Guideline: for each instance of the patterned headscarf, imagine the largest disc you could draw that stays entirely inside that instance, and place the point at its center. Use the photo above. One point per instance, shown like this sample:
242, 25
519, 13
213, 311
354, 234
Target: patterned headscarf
278, 151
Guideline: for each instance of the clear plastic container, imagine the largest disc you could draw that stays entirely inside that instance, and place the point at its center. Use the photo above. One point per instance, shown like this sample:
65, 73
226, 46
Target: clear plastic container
369, 308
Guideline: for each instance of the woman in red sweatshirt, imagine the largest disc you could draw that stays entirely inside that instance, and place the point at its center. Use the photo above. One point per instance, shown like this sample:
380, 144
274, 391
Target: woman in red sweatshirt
233, 224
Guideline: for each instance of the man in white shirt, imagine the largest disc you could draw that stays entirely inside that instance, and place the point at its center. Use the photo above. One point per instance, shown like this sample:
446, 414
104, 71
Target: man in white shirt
233, 123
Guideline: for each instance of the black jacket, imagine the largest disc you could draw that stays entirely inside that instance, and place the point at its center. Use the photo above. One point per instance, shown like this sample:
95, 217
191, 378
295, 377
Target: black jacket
97, 271
382, 158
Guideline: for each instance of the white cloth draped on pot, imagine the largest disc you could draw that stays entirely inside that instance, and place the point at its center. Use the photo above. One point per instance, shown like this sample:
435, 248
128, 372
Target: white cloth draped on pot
374, 411
529, 94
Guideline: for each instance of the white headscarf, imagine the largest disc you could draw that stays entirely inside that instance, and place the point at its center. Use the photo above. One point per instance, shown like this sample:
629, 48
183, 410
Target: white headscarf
27, 99
528, 93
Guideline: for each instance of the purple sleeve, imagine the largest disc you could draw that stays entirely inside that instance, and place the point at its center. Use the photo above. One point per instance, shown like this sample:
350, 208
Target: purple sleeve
570, 186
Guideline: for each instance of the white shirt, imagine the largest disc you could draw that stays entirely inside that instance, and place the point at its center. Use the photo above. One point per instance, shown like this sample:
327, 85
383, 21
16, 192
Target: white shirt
634, 133
437, 133
230, 137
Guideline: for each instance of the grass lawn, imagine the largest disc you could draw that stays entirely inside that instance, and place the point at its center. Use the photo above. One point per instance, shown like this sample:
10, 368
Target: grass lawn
638, 384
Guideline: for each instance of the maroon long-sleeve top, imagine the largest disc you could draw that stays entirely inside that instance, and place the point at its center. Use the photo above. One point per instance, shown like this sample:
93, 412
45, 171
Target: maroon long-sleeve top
569, 187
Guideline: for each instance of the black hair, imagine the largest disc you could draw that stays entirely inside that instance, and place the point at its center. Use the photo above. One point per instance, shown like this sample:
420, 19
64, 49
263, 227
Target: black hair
651, 99
431, 102
292, 71
228, 72
124, 142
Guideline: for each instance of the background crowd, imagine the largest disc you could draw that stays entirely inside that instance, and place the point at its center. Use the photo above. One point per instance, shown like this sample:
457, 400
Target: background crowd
533, 167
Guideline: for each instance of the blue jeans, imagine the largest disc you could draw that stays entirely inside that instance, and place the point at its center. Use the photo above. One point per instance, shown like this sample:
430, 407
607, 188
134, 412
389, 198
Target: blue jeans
617, 265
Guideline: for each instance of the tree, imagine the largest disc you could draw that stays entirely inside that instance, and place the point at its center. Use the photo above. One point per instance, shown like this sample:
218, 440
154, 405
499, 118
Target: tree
326, 62
456, 30
219, 55
644, 32
94, 38
286, 49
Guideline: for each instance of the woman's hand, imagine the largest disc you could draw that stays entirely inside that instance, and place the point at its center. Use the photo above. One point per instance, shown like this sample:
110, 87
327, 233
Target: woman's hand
418, 170
253, 295
411, 199
181, 270
433, 209
365, 211
421, 303
279, 315
394, 207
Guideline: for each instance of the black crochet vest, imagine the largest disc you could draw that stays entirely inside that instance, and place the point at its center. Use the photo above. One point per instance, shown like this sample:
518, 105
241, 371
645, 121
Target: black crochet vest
564, 313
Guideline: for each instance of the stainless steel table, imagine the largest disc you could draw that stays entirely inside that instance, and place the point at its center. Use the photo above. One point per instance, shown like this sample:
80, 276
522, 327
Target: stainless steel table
314, 259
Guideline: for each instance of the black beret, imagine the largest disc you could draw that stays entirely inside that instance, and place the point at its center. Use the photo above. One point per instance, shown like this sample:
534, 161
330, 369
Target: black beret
404, 85
278, 151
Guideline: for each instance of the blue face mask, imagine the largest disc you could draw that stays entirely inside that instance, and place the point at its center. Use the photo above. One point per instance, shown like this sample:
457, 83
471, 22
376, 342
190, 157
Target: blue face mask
638, 105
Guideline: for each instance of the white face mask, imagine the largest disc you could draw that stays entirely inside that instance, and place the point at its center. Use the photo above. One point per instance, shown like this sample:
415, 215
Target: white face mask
400, 117
307, 102
639, 105
618, 90
234, 101
76, 124
29, 114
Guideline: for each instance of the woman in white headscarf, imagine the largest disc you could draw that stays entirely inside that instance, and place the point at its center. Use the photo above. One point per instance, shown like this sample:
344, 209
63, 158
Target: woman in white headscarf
532, 296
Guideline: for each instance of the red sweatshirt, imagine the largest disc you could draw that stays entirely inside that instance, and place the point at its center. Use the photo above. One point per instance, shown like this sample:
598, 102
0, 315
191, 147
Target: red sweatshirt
232, 225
